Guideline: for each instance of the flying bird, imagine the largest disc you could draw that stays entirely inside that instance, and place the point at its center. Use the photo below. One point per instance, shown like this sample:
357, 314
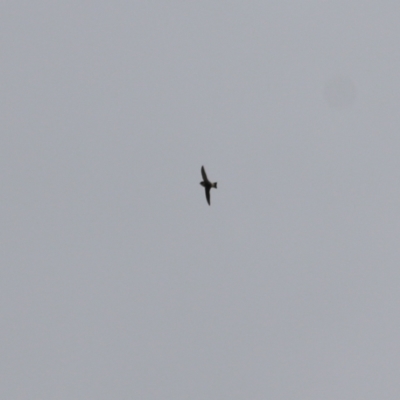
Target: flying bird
207, 184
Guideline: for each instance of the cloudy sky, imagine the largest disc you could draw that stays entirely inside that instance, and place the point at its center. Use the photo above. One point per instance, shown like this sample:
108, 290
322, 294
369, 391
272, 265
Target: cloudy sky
118, 281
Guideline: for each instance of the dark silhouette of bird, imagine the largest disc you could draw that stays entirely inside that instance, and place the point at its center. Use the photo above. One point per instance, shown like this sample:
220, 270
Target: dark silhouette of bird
207, 185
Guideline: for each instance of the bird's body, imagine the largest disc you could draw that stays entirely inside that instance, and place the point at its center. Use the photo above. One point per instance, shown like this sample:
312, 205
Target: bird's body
207, 185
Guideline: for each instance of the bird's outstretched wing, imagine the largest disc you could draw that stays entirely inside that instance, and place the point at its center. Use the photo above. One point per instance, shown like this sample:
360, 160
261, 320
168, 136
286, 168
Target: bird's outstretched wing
208, 195
203, 174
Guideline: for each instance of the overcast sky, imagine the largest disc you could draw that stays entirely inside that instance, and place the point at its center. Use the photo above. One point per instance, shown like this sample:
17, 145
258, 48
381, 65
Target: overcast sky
119, 281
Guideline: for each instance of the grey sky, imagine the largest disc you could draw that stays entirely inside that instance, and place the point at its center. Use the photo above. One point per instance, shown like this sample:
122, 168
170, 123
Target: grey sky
118, 281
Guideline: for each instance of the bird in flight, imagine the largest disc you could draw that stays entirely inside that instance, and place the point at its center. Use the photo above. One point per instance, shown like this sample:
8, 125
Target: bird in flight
207, 184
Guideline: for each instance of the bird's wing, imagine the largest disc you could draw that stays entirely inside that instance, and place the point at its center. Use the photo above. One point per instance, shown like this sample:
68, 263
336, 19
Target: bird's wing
208, 195
203, 174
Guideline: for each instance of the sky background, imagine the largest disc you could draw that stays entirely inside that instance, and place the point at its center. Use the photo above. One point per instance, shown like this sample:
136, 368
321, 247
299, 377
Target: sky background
118, 281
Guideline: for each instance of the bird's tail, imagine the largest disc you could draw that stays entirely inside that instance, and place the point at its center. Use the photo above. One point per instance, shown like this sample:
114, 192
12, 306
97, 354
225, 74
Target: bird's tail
215, 185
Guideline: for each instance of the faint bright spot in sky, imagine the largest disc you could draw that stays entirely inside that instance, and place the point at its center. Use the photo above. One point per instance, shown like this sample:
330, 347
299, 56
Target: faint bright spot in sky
340, 92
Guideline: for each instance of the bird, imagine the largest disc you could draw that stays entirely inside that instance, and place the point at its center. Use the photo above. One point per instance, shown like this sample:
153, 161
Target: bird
207, 185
